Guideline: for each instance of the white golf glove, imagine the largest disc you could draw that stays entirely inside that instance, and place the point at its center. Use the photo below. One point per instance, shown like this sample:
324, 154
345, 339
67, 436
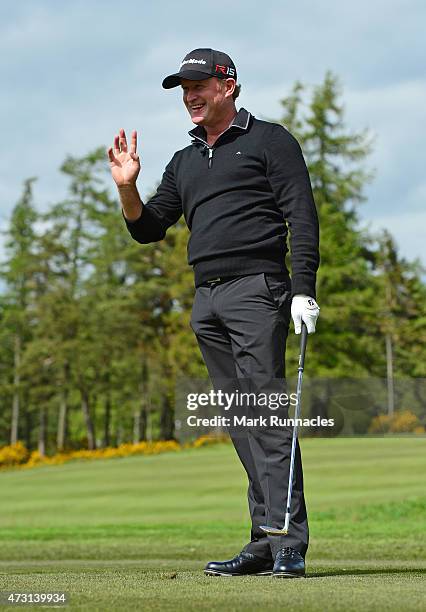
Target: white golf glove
304, 308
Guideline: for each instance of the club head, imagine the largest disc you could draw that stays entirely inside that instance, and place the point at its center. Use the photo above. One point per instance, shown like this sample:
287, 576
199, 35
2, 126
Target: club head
274, 530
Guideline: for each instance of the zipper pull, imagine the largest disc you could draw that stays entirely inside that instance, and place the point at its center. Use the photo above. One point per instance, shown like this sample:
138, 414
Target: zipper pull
210, 157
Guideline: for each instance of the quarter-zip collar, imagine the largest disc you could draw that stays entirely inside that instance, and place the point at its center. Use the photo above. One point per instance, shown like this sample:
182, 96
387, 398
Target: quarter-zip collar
241, 121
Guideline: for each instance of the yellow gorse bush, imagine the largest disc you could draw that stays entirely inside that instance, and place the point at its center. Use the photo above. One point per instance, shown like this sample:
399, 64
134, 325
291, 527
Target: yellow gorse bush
402, 421
206, 440
18, 456
15, 454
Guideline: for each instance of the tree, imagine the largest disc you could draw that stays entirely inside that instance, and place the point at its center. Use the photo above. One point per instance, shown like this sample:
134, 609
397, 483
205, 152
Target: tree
95, 328
402, 313
372, 302
335, 159
18, 273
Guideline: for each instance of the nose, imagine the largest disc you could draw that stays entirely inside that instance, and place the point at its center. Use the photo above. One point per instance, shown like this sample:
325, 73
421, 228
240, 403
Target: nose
191, 96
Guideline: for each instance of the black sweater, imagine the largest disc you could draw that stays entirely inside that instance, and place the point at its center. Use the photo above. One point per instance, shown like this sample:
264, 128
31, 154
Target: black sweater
238, 198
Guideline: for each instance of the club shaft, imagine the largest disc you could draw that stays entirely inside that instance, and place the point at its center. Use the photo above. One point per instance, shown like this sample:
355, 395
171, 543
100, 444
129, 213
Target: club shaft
286, 522
297, 411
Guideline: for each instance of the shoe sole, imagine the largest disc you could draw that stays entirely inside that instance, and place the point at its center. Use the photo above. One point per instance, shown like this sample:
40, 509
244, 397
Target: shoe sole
287, 575
217, 573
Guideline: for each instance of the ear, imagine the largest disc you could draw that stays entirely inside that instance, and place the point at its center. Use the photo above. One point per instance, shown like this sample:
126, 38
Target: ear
230, 85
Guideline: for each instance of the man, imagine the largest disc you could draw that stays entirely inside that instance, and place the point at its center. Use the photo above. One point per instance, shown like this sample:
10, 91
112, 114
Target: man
239, 184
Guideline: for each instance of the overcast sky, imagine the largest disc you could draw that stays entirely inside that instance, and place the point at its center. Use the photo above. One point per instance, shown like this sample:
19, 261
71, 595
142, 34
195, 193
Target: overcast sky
73, 72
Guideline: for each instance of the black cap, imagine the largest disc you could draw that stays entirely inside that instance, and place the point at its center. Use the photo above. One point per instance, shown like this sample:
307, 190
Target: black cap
202, 64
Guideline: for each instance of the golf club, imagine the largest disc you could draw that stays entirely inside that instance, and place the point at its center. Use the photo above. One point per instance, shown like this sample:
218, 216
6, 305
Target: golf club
284, 530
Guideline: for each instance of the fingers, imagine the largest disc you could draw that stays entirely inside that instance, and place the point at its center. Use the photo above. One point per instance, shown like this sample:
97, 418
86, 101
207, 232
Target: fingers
123, 141
111, 156
310, 324
133, 143
304, 308
297, 320
116, 145
120, 143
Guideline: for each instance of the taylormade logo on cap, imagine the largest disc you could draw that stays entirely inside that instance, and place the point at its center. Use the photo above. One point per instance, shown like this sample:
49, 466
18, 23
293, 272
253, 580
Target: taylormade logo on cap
192, 61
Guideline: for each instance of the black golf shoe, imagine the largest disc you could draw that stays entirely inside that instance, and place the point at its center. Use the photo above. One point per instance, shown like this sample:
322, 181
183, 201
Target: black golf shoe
244, 564
289, 564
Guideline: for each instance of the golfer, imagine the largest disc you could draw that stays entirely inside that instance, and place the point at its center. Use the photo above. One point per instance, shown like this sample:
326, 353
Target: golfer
241, 184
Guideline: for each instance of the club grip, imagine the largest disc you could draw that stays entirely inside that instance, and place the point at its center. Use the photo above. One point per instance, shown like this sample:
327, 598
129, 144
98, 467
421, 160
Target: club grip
303, 342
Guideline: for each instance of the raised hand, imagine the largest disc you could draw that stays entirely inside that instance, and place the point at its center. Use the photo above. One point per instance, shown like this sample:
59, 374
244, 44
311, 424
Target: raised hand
124, 164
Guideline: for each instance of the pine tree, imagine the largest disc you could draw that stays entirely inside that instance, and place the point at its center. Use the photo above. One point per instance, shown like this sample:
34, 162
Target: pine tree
18, 274
335, 159
401, 315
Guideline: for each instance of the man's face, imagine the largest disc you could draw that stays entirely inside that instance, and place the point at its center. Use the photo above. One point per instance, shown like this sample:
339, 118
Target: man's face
205, 100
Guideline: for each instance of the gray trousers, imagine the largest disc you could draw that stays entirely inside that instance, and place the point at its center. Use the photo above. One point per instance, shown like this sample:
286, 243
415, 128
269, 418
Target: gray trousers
241, 325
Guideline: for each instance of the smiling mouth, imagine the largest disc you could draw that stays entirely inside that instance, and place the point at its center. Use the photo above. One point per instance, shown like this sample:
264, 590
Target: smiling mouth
197, 107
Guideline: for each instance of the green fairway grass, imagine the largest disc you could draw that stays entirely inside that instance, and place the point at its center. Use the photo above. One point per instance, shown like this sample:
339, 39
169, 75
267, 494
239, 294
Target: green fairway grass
135, 533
